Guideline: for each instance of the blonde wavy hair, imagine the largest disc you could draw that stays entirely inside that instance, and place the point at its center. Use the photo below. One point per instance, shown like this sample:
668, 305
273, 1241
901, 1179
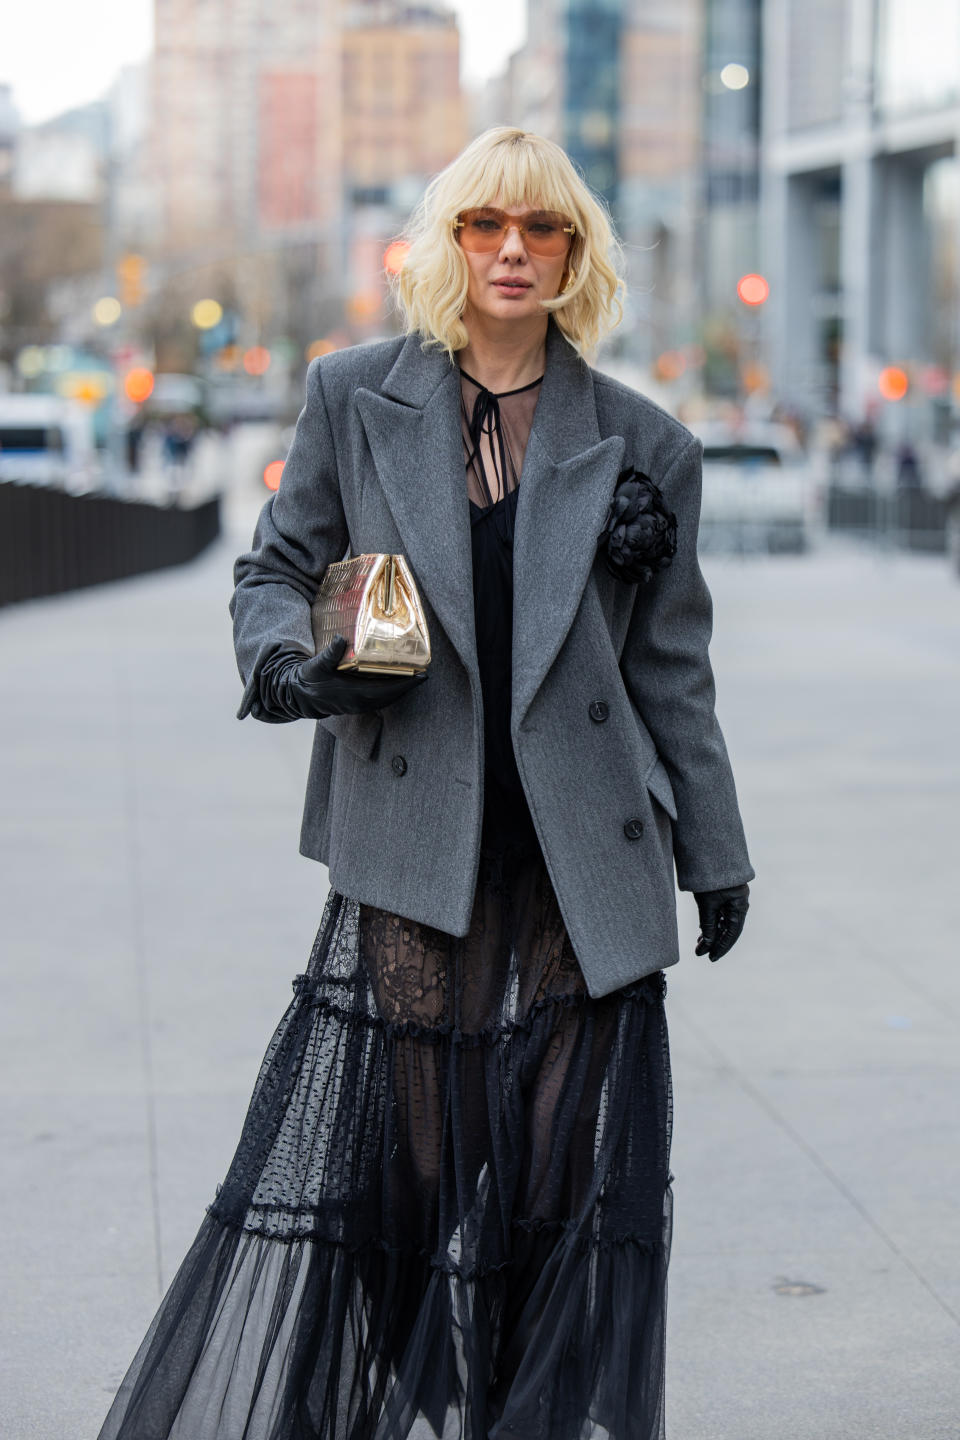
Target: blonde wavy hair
520, 168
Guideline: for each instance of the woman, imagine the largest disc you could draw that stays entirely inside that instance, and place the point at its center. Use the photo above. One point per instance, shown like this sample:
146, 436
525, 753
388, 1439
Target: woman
451, 1203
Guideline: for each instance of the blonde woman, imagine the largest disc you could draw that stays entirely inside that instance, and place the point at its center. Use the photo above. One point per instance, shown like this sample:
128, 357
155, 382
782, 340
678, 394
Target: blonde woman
449, 1210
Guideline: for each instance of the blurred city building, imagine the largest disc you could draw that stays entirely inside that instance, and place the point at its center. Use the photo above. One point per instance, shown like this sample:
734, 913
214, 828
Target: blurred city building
861, 123
657, 204
403, 120
245, 124
50, 250
225, 208
618, 84
52, 233
63, 158
52, 228
76, 194
132, 198
288, 145
9, 126
403, 116
728, 237
244, 151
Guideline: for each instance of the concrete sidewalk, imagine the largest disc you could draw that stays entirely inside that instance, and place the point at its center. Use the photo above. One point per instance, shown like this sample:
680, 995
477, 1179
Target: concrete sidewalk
156, 910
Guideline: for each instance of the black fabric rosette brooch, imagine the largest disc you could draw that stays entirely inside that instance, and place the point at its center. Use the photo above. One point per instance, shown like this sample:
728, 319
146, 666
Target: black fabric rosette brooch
639, 536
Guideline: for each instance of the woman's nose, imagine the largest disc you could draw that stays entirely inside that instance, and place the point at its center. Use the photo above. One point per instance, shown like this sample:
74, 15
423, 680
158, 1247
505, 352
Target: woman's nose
513, 243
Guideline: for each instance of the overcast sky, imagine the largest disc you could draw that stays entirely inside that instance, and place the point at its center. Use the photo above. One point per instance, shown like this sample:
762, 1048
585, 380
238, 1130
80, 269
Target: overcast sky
43, 41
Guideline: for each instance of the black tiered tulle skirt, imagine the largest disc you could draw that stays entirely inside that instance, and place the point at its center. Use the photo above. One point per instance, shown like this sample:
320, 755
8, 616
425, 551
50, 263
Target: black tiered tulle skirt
449, 1212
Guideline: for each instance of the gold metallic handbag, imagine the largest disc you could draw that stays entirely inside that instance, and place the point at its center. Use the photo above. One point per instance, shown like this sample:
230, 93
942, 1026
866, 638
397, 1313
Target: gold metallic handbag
373, 602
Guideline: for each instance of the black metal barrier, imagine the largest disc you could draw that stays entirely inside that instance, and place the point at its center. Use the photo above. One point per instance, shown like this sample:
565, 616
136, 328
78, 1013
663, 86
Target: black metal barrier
51, 541
905, 519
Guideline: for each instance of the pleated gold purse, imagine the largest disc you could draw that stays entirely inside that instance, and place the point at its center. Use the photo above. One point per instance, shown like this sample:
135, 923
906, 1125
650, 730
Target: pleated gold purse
373, 602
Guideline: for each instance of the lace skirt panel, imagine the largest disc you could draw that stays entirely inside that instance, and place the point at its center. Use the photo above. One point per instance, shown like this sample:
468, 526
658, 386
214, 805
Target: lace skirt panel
450, 1203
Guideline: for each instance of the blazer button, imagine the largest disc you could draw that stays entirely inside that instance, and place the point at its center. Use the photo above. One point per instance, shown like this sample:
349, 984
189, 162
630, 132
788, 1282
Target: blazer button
633, 829
599, 710
399, 765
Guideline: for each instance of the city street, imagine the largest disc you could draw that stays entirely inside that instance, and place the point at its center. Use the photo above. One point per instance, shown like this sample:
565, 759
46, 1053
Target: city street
156, 910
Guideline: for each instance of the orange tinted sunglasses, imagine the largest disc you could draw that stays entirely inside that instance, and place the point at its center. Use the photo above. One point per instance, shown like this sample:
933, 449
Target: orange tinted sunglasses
543, 232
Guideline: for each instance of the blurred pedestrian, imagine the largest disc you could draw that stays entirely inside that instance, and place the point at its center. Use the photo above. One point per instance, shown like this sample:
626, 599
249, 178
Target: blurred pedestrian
134, 440
451, 1200
178, 439
908, 467
864, 441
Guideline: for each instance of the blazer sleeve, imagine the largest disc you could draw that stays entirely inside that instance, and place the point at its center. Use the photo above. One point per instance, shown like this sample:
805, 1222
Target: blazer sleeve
666, 668
301, 529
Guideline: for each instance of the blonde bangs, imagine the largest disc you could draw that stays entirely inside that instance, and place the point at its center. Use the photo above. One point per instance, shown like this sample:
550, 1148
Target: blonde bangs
521, 174
523, 169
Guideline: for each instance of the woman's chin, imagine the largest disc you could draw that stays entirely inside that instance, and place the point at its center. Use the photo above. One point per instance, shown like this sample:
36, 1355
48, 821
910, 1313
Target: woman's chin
504, 309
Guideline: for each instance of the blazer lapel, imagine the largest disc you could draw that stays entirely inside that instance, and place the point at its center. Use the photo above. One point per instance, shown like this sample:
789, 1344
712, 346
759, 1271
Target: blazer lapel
567, 481
413, 429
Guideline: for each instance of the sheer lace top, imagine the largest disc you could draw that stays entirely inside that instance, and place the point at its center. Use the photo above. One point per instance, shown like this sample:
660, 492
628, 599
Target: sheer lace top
495, 430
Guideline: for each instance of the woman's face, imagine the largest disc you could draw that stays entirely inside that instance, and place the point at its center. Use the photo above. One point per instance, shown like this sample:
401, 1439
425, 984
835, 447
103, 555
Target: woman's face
509, 283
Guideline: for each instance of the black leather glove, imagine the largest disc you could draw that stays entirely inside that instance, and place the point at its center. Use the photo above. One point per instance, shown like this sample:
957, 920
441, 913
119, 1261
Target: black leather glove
295, 686
722, 913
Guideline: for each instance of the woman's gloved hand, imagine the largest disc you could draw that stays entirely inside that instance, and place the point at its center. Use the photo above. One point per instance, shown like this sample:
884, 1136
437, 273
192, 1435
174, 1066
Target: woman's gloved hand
294, 686
722, 913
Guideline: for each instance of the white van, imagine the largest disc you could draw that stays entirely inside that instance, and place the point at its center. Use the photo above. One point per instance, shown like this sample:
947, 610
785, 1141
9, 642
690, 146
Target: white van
47, 440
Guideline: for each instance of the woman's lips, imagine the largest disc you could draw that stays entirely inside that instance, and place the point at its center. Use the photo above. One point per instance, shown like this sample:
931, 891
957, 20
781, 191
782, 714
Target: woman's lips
511, 287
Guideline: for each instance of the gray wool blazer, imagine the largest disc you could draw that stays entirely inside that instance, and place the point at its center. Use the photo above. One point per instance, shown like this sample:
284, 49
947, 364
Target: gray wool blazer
394, 798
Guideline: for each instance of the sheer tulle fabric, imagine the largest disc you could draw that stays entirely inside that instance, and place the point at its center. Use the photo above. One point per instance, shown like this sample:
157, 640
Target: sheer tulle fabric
449, 1211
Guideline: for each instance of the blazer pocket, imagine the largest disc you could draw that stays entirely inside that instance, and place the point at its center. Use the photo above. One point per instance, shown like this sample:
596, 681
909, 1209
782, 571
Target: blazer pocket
358, 732
658, 783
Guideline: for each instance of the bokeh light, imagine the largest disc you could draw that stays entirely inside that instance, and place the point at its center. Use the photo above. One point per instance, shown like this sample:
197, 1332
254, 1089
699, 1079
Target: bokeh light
87, 387
206, 313
394, 256
228, 358
934, 380
364, 305
138, 385
670, 365
755, 378
326, 346
735, 77
31, 361
893, 382
272, 474
752, 289
256, 360
107, 310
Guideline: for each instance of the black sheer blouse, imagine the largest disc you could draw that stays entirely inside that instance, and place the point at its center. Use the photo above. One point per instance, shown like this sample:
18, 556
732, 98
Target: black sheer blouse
495, 430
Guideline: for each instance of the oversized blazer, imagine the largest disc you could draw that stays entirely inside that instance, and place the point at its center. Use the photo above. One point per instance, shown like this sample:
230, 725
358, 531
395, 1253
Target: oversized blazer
613, 724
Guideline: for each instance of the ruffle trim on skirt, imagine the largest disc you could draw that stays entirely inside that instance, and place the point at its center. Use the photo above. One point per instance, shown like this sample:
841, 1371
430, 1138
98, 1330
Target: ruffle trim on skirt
296, 1229
649, 991
259, 1340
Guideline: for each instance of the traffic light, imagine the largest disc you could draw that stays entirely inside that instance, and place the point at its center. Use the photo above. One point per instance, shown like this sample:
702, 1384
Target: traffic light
132, 277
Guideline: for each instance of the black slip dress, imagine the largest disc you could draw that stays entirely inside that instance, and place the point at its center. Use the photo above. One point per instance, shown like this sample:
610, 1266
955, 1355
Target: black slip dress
449, 1211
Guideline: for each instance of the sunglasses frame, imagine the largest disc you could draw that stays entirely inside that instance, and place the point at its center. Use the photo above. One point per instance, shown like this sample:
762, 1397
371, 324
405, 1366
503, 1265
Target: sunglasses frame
517, 225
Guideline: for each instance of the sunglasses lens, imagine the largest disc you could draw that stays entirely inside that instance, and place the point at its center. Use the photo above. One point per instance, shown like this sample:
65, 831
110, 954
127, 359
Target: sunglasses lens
485, 230
545, 235
481, 230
